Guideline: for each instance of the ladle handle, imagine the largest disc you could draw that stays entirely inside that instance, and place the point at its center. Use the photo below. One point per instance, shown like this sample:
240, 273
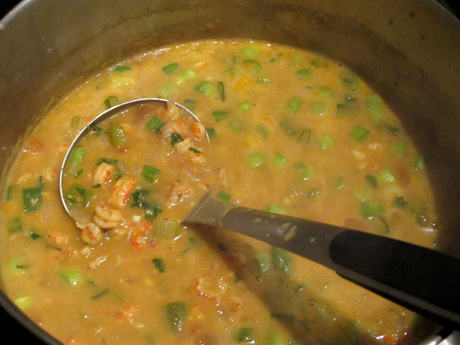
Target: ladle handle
424, 280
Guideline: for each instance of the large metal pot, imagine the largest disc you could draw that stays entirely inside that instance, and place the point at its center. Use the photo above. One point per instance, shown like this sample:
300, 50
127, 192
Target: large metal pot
408, 50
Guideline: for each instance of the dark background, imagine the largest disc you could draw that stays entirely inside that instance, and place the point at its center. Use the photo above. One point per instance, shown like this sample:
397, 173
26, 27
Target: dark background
11, 333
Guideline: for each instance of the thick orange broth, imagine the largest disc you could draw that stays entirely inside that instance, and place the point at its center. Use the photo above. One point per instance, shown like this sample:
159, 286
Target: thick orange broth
290, 131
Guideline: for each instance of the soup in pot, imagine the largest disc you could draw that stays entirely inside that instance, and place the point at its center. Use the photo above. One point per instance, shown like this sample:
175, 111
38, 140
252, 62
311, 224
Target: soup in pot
281, 129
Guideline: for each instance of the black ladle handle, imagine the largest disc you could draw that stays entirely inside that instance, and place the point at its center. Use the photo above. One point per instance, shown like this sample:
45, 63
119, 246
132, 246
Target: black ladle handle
423, 280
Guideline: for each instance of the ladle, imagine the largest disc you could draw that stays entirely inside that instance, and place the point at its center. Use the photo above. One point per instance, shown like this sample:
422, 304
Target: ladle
424, 280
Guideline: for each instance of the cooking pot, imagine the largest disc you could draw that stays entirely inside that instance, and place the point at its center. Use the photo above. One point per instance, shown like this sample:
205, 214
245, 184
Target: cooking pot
409, 51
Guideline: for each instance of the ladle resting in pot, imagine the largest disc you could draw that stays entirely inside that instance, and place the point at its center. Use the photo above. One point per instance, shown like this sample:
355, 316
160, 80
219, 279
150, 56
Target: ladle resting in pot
385, 266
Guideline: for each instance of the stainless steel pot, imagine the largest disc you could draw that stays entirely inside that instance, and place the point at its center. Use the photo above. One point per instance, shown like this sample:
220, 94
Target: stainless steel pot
409, 51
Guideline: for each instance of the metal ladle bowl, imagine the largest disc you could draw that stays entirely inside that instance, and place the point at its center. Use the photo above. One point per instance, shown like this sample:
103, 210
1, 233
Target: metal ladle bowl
102, 116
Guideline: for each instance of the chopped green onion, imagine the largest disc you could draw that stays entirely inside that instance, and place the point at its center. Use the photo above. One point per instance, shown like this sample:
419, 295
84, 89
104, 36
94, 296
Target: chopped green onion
100, 294
371, 209
75, 123
155, 124
362, 193
139, 197
34, 235
236, 125
195, 241
76, 157
97, 130
262, 130
304, 73
178, 80
325, 93
281, 259
165, 228
374, 105
315, 63
304, 171
250, 52
212, 134
305, 136
15, 268
274, 340
24, 302
206, 88
326, 142
420, 163
117, 135
349, 79
188, 74
190, 104
245, 106
221, 90
399, 202
245, 335
223, 197
166, 91
14, 225
160, 264
9, 193
106, 160
122, 68
76, 194
359, 133
319, 108
294, 104
149, 173
176, 138
280, 160
300, 288
393, 130
171, 68
219, 115
194, 150
22, 267
72, 277
352, 332
151, 210
423, 219
399, 149
276, 209
256, 159
253, 66
380, 225
371, 180
176, 313
386, 176
288, 128
279, 56
111, 101
264, 262
348, 106
32, 198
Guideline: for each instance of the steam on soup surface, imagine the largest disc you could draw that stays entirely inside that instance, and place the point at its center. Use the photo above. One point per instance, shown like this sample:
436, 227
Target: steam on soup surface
290, 132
